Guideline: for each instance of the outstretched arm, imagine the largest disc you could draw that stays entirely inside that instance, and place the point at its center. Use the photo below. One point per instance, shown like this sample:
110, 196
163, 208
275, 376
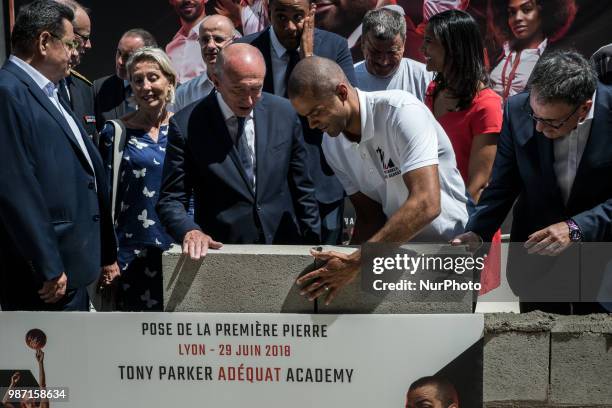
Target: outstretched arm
40, 357
14, 380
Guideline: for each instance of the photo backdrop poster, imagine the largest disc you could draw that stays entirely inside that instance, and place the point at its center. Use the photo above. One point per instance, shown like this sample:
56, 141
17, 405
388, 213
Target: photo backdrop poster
233, 360
588, 31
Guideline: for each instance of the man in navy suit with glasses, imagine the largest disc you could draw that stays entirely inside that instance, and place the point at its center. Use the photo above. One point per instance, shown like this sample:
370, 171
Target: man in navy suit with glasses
554, 158
55, 225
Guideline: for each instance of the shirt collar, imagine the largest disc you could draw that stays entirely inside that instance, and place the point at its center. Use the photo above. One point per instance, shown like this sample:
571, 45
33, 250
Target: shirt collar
586, 122
364, 114
589, 115
279, 49
226, 110
193, 34
41, 80
539, 50
204, 81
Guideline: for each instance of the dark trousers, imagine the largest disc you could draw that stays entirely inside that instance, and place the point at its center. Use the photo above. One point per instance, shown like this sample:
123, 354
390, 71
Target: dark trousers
332, 222
75, 300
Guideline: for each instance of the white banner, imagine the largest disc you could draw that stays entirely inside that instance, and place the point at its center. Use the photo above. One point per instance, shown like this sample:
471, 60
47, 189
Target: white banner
233, 360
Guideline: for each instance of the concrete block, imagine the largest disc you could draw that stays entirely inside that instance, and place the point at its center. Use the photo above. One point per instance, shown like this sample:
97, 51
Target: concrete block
237, 279
581, 360
516, 358
359, 297
352, 299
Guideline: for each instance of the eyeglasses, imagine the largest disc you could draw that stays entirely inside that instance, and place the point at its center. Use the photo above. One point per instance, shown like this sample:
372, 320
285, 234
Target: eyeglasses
71, 45
549, 122
218, 40
84, 38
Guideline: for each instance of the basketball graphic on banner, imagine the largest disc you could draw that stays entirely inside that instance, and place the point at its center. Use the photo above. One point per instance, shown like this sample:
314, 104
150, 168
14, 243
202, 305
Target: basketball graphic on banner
36, 339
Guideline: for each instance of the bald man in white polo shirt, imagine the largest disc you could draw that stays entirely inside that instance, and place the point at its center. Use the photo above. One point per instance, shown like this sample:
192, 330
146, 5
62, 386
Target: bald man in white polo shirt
394, 160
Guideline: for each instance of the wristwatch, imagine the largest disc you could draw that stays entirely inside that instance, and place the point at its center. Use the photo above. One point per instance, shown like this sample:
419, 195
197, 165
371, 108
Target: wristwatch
574, 231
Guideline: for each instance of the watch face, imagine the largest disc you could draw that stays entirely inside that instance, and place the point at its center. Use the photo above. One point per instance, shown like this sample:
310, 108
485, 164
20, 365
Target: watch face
574, 235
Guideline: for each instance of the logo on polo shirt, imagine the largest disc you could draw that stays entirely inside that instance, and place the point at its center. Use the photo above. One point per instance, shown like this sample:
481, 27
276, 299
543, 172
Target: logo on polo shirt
389, 168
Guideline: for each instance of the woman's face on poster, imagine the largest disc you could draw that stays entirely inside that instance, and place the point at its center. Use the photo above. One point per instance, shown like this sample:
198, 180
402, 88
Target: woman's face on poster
524, 19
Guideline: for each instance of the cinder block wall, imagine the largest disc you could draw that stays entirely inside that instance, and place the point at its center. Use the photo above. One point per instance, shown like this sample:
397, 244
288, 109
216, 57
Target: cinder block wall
530, 360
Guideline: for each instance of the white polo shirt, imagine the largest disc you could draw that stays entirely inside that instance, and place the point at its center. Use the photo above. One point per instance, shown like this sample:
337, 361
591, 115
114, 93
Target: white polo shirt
399, 134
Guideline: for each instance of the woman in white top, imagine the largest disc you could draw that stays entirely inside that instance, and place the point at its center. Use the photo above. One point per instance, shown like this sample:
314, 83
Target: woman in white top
524, 28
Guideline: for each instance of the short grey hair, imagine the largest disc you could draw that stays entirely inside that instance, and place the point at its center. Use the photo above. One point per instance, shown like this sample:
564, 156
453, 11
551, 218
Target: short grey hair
158, 56
385, 24
563, 76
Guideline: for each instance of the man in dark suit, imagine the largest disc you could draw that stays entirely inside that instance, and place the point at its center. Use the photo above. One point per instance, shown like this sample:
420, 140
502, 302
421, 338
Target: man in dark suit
554, 155
111, 92
242, 154
290, 38
76, 90
55, 224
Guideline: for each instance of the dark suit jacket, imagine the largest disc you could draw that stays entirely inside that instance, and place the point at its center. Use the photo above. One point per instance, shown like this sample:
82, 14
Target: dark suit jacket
82, 103
52, 217
109, 99
327, 45
201, 157
523, 169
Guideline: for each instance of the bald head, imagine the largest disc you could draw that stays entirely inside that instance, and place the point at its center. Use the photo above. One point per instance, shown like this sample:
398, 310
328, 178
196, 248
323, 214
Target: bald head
217, 21
239, 77
216, 32
316, 76
240, 59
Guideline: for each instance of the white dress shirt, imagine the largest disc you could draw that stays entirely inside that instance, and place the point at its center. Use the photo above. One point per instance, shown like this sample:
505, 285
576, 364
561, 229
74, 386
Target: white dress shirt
51, 90
568, 151
186, 55
249, 130
192, 90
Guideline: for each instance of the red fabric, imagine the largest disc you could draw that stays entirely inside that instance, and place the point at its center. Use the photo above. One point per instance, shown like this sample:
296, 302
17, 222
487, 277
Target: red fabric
483, 116
490, 276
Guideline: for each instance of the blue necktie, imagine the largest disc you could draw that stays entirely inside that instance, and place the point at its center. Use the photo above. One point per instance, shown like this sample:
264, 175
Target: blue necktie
294, 58
243, 150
